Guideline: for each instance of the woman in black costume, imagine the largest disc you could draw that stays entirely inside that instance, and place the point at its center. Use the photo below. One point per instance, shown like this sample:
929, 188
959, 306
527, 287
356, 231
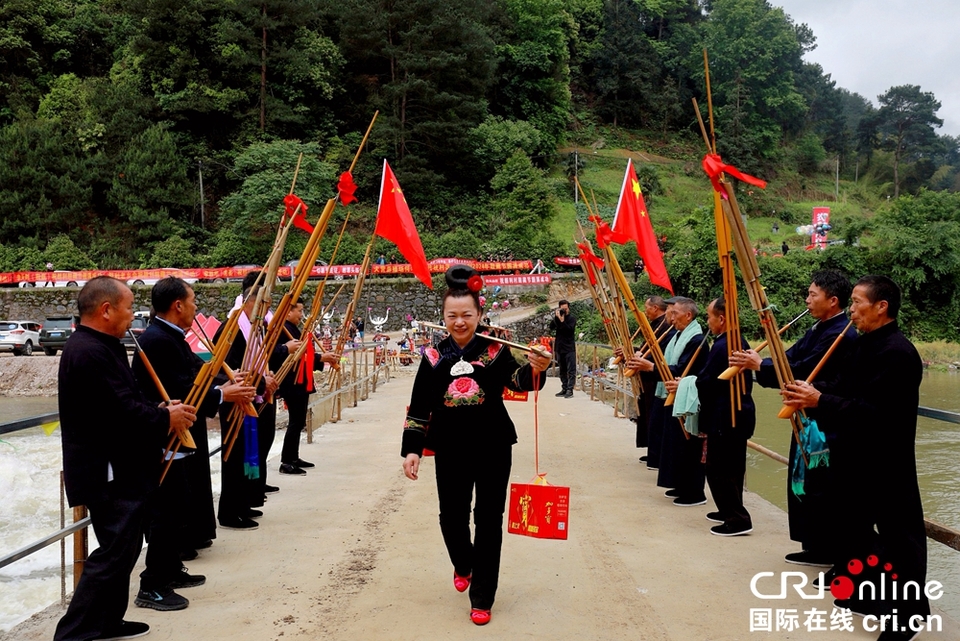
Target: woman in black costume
457, 410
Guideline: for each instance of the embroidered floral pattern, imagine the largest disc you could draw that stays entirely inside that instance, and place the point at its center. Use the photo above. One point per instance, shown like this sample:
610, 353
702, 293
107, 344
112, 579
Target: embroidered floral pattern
432, 355
488, 355
411, 424
463, 391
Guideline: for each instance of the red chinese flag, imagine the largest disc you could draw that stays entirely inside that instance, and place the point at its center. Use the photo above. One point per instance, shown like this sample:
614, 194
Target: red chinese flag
395, 223
633, 222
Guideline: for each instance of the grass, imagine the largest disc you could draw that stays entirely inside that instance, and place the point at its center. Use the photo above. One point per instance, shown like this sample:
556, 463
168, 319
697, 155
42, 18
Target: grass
939, 352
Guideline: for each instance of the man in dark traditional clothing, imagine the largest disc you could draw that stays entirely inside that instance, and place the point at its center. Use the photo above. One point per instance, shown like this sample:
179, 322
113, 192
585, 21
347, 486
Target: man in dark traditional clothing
243, 475
811, 519
727, 433
874, 399
680, 469
110, 459
295, 390
655, 309
182, 516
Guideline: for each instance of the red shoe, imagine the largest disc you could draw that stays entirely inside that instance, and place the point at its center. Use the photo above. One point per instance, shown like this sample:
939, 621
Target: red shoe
480, 617
461, 582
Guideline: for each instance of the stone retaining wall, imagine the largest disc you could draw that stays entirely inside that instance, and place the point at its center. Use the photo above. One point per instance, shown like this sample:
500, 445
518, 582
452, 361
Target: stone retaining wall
404, 296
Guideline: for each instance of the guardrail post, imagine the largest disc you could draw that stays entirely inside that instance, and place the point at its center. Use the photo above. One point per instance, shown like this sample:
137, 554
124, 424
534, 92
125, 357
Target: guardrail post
366, 374
593, 379
79, 545
354, 381
309, 425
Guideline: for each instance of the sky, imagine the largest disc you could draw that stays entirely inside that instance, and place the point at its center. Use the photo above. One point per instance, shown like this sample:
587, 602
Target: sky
868, 46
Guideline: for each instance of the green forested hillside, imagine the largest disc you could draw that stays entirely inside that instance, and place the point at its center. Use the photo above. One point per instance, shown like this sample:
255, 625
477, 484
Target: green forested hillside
113, 113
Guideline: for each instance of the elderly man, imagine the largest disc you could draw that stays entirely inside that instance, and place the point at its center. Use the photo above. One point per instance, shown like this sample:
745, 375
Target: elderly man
811, 519
110, 458
727, 430
655, 309
680, 469
874, 399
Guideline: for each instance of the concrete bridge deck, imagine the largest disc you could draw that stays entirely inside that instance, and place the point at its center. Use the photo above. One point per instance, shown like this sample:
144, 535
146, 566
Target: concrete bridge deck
353, 551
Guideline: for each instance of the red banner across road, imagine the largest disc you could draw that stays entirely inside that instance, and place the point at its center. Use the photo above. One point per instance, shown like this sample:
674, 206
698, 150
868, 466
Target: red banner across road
437, 266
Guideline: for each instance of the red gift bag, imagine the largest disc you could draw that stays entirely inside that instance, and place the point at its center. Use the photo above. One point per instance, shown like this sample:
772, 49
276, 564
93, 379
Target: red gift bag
539, 509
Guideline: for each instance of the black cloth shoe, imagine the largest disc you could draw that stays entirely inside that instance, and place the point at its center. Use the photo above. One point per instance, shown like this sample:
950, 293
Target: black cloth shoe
270, 489
643, 459
165, 600
812, 559
189, 555
725, 530
562, 392
289, 468
714, 516
672, 494
186, 580
253, 514
203, 545
690, 501
238, 523
303, 464
126, 630
569, 394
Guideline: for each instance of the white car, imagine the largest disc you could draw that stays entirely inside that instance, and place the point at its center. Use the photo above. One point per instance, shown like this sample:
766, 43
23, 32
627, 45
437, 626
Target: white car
19, 337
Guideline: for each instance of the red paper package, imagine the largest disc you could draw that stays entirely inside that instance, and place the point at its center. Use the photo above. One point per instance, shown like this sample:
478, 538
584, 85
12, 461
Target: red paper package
539, 509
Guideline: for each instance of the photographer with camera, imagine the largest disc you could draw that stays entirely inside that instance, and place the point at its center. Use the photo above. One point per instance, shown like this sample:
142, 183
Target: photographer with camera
565, 347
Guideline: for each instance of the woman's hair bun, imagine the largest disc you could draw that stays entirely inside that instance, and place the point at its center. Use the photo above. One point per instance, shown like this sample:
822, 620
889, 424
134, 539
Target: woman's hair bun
457, 276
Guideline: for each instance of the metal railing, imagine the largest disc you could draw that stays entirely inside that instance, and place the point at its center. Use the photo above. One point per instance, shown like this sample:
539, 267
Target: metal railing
361, 387
936, 531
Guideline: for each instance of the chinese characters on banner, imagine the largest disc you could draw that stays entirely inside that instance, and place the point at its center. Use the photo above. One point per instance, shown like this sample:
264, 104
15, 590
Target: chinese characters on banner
821, 217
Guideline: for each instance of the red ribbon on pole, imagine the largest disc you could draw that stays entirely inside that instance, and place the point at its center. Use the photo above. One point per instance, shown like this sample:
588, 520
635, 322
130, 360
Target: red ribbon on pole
346, 187
605, 235
587, 256
714, 166
297, 210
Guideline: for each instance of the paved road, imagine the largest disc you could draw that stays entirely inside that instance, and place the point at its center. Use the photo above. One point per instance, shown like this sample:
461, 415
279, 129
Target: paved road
353, 551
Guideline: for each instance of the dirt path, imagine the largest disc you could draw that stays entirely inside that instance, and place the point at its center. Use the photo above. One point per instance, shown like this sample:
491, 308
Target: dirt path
353, 551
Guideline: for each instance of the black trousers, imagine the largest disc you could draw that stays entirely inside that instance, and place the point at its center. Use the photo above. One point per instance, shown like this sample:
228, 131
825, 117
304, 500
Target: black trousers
165, 529
297, 409
458, 473
568, 369
726, 467
655, 422
237, 492
680, 460
101, 597
266, 435
811, 516
197, 502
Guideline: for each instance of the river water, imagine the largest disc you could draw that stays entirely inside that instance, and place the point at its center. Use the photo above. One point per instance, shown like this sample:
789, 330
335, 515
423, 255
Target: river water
30, 491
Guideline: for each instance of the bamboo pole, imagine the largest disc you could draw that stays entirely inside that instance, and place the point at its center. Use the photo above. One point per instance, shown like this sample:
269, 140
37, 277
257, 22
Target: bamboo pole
786, 411
728, 373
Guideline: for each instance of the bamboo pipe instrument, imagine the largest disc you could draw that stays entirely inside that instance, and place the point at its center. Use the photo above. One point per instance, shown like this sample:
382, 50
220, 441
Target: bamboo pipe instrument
733, 370
786, 411
231, 375
536, 349
686, 370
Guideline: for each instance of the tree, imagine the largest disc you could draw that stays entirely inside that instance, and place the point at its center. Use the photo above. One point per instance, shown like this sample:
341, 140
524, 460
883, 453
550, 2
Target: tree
253, 211
150, 189
755, 53
427, 66
63, 254
533, 75
906, 121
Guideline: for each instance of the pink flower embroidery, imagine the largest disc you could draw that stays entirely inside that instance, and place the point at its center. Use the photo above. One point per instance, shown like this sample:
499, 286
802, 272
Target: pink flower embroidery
463, 391
432, 355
